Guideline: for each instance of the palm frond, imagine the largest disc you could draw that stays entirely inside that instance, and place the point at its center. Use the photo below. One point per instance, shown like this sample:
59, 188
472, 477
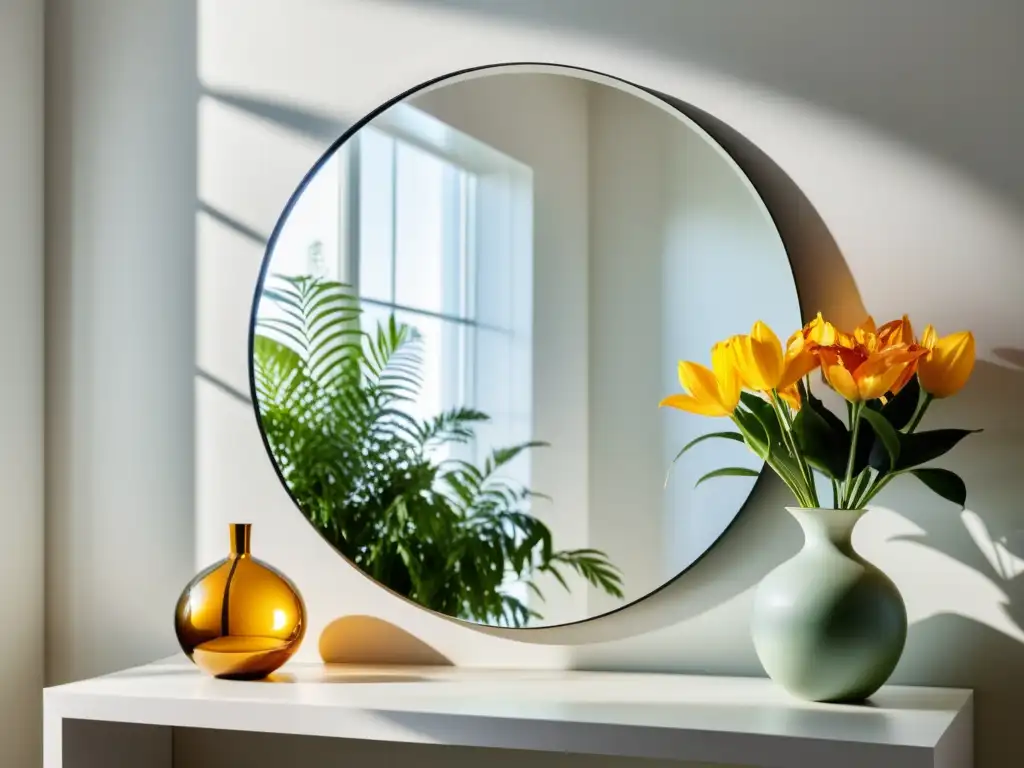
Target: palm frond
455, 425
334, 404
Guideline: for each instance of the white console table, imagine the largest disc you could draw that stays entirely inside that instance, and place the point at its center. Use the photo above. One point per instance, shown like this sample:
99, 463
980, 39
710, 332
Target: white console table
126, 719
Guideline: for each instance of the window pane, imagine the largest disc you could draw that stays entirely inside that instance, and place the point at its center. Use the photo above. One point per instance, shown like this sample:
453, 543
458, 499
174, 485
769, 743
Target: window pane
443, 372
501, 389
308, 242
376, 197
420, 224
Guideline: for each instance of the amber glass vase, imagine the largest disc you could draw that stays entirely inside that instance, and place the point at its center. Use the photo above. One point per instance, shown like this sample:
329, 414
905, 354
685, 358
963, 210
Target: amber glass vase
240, 618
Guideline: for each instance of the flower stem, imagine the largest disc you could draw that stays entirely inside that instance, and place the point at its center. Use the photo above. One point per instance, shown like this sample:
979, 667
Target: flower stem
883, 480
792, 482
855, 409
919, 413
861, 488
782, 411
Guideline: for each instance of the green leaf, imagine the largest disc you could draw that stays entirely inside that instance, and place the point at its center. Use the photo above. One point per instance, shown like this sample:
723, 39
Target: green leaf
557, 574
945, 483
762, 415
753, 433
503, 456
766, 416
887, 437
835, 424
901, 408
726, 435
364, 470
728, 472
824, 442
918, 447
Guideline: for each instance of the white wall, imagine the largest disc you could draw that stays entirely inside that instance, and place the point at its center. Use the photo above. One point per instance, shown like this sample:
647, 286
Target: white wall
895, 124
21, 387
121, 179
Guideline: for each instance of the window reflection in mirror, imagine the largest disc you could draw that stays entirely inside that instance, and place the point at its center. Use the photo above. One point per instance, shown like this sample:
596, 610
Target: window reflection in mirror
468, 319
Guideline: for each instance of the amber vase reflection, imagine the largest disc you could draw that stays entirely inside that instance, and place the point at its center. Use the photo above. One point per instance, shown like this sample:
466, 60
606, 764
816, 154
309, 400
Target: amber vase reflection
240, 619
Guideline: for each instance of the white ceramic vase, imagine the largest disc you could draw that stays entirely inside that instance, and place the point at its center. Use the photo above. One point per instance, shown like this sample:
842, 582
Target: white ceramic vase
828, 625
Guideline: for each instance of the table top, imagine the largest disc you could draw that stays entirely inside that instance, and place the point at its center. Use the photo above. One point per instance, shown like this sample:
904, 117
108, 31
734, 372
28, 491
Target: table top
718, 719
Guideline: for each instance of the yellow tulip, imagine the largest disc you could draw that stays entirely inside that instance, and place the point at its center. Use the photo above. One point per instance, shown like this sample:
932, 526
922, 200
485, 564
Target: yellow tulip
762, 364
799, 359
947, 364
819, 331
860, 374
800, 347
714, 392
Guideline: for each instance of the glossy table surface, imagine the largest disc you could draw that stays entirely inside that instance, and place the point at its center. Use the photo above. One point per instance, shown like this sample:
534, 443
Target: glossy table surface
745, 721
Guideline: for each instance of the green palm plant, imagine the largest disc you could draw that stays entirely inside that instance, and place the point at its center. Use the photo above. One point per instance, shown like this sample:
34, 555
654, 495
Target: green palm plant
447, 534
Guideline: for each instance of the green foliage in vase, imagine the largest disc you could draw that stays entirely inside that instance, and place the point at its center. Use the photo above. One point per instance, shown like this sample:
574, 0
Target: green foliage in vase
447, 534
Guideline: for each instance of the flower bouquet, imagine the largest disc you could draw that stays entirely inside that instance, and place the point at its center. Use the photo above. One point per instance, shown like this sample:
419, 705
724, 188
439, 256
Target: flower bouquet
888, 378
828, 625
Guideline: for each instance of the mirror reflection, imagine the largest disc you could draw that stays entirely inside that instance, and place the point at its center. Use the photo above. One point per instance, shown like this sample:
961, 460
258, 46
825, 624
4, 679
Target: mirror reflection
466, 322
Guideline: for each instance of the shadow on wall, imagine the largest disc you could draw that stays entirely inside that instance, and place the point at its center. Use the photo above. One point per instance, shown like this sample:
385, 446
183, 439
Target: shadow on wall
372, 641
987, 588
818, 265
303, 121
821, 272
205, 746
963, 575
862, 59
1014, 357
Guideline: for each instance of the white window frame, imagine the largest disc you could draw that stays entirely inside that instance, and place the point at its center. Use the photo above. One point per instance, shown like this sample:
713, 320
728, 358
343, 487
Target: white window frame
499, 235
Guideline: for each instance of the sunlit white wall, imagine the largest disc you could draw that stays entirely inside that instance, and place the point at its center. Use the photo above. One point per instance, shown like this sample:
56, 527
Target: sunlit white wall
21, 438
903, 137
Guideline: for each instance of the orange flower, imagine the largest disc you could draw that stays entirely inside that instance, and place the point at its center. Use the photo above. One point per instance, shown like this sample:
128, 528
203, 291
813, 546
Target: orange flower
859, 373
896, 332
791, 396
865, 334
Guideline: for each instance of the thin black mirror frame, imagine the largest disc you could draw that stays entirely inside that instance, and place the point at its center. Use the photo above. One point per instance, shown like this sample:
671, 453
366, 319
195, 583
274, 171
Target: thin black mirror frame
674, 105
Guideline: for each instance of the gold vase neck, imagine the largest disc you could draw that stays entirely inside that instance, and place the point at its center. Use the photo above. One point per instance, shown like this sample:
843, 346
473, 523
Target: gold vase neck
240, 535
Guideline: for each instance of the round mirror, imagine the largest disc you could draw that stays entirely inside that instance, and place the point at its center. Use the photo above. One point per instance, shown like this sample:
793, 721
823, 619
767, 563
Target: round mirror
466, 318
